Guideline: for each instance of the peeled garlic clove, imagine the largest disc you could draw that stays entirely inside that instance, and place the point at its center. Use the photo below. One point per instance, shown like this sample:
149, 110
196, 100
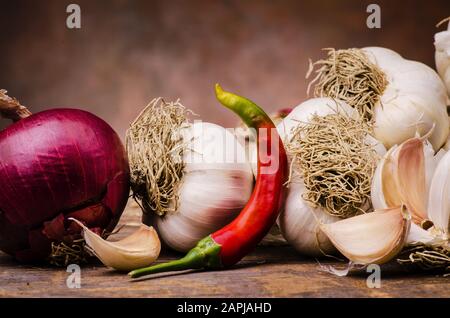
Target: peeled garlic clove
138, 250
372, 238
439, 196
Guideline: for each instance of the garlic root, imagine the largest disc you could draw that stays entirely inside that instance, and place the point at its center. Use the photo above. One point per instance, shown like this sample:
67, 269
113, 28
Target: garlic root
372, 238
138, 250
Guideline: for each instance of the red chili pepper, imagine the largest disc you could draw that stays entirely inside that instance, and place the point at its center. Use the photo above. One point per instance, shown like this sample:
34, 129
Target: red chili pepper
230, 244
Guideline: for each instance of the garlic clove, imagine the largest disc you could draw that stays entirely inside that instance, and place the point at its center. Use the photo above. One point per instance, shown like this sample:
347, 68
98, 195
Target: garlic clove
372, 238
439, 196
410, 176
403, 176
431, 162
389, 184
376, 192
446, 147
138, 250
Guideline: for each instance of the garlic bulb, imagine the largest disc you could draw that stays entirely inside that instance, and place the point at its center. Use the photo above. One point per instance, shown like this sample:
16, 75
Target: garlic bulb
299, 221
212, 191
400, 97
371, 238
200, 190
138, 250
442, 55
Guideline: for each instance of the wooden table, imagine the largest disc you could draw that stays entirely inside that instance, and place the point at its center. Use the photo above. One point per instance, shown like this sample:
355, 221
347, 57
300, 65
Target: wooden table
271, 271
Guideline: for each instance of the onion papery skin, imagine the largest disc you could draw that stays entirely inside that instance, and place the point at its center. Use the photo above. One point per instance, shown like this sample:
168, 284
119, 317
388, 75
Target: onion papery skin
57, 164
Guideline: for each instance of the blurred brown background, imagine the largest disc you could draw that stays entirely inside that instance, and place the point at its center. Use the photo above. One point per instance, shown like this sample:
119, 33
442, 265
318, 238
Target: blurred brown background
128, 52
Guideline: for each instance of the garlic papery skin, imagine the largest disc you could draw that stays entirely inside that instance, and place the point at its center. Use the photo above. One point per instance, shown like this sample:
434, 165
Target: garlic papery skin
419, 235
138, 250
299, 221
371, 238
442, 55
216, 184
300, 224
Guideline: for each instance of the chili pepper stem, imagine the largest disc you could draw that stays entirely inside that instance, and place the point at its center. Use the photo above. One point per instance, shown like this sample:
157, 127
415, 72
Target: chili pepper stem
204, 255
176, 265
252, 115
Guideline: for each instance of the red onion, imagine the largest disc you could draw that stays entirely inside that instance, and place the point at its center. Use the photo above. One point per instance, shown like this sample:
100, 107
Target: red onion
57, 164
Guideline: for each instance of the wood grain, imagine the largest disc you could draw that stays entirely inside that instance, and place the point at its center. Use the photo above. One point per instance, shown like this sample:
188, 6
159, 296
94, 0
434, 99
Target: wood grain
271, 271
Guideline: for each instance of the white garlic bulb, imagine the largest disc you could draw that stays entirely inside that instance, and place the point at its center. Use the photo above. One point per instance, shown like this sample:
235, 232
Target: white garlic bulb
442, 55
216, 184
401, 97
299, 222
191, 178
413, 101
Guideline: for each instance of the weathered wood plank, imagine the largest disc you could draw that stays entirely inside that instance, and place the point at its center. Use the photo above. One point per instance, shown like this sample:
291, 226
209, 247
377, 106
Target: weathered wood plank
268, 272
